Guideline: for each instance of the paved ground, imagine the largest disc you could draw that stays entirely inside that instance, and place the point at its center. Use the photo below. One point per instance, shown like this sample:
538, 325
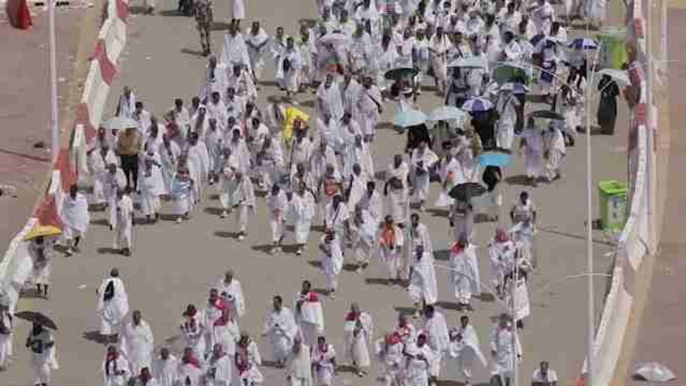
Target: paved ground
660, 336
25, 100
173, 264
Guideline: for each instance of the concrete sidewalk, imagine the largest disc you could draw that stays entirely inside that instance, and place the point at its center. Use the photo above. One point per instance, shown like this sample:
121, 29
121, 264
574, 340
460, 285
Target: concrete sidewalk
660, 332
25, 102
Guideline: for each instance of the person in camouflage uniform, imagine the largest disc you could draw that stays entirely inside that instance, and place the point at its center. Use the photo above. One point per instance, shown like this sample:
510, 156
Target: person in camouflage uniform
203, 18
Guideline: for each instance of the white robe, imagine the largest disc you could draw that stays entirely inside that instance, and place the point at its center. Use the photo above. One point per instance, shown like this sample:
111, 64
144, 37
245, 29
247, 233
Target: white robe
505, 344
466, 351
358, 334
258, 47
6, 339
437, 331
227, 335
137, 345
235, 52
42, 364
309, 316
281, 329
323, 361
75, 216
166, 370
219, 371
393, 255
507, 108
329, 101
533, 151
98, 169
332, 260
190, 375
250, 357
301, 211
238, 10
464, 274
418, 369
121, 219
423, 285
369, 105
113, 311
300, 367
234, 290
110, 370
170, 158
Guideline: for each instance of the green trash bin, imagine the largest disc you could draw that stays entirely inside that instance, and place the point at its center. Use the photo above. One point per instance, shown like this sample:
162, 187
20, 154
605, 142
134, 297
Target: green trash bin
612, 47
613, 202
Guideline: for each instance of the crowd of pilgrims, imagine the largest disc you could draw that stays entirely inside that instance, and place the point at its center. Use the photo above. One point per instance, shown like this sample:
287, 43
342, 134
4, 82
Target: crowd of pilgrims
320, 170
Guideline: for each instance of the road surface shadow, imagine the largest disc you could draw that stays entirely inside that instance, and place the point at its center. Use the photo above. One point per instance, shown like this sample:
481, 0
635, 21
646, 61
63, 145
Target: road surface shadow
227, 235
94, 336
346, 369
442, 255
385, 126
480, 218
94, 208
192, 52
213, 211
450, 382
438, 212
108, 251
520, 180
102, 222
350, 267
219, 26
264, 248
449, 306
378, 281
171, 13
272, 364
30, 293
321, 291
486, 297
315, 263
137, 10
404, 310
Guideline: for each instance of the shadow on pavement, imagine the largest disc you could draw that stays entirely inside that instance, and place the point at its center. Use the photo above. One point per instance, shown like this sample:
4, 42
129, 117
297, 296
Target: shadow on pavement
189, 51
213, 211
315, 263
108, 251
227, 235
94, 336
378, 281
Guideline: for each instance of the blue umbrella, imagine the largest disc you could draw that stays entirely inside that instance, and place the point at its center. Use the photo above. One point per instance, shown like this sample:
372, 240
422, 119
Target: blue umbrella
583, 43
409, 118
494, 158
477, 105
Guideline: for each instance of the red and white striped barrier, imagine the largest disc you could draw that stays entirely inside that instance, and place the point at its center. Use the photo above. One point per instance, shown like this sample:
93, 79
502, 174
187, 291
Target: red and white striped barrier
16, 265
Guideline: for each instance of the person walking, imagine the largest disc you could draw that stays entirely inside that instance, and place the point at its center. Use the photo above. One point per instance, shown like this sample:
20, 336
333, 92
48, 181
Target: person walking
128, 147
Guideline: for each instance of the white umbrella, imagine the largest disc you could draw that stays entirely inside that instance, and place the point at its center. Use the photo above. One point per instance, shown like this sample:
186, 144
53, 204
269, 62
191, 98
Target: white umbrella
471, 62
619, 76
654, 372
334, 38
121, 123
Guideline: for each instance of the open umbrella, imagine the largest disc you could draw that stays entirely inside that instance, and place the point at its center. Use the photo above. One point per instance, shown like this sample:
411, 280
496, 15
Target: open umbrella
38, 318
42, 231
467, 191
494, 158
477, 105
547, 114
409, 118
516, 88
508, 71
445, 113
471, 62
121, 123
619, 76
400, 72
583, 44
654, 372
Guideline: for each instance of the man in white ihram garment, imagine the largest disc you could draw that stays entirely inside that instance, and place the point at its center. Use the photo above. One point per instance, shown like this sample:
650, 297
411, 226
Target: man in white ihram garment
507, 108
238, 12
369, 107
363, 229
137, 343
232, 290
42, 346
423, 159
358, 330
219, 367
115, 368
464, 348
308, 313
464, 272
533, 148
75, 217
235, 50
332, 261
554, 152
258, 47
505, 349
300, 213
436, 330
419, 233
392, 248
121, 222
419, 358
423, 288
329, 99
127, 104
113, 305
277, 203
281, 329
165, 368
300, 366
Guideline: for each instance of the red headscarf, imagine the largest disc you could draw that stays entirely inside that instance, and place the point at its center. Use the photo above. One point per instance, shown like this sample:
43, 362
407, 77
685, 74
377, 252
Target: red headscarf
352, 316
394, 338
456, 249
501, 236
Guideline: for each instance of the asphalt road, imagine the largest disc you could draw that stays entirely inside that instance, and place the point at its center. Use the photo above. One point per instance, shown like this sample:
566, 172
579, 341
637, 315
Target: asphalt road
172, 265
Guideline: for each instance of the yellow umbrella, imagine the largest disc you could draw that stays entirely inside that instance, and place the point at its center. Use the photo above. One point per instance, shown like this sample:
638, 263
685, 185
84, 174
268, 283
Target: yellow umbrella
42, 231
293, 114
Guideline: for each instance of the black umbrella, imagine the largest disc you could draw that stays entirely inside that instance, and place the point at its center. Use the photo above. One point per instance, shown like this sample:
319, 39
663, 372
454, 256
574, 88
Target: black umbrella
38, 318
399, 73
467, 191
547, 114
